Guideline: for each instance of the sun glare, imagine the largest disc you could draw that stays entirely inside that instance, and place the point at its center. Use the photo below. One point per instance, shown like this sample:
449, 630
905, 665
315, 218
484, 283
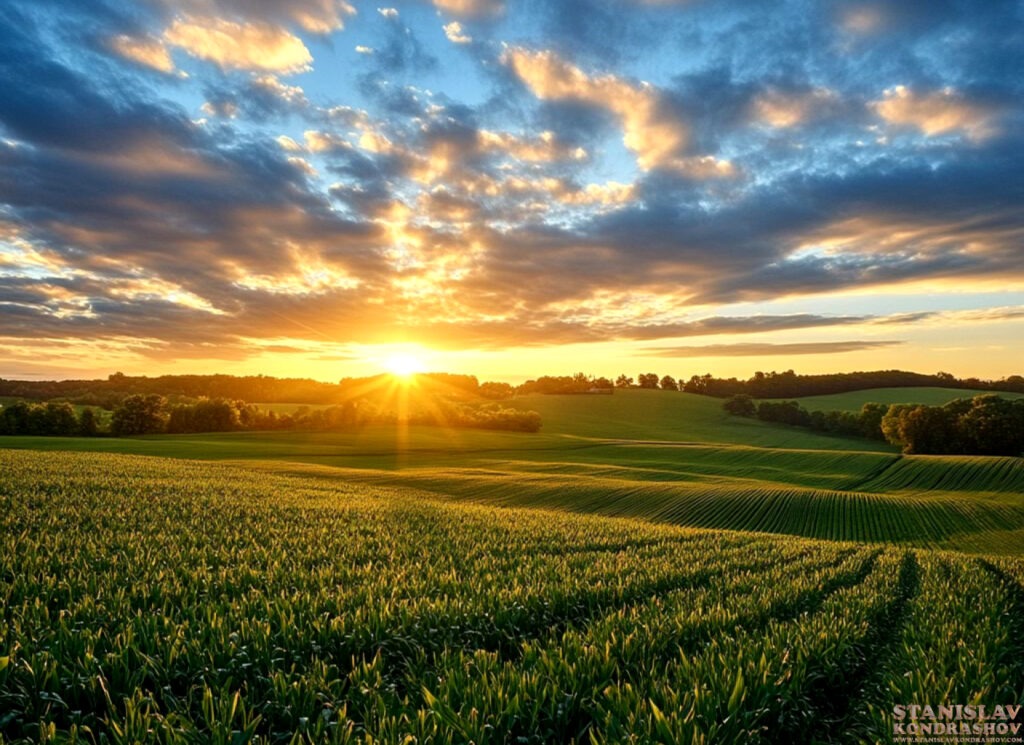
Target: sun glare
403, 365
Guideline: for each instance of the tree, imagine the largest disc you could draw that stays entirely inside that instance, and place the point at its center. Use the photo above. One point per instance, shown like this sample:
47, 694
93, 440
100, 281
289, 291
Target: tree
496, 391
928, 429
871, 415
624, 381
15, 418
891, 427
61, 419
784, 412
993, 426
140, 415
668, 383
88, 425
647, 380
741, 405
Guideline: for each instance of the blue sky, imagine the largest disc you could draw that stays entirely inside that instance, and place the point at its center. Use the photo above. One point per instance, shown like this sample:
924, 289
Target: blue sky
305, 187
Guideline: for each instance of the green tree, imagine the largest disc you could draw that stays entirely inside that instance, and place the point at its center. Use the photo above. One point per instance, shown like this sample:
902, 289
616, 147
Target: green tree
741, 405
88, 424
993, 426
647, 380
61, 419
140, 415
871, 415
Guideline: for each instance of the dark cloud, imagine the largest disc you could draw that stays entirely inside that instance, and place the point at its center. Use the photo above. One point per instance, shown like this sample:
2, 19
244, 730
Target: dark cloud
402, 52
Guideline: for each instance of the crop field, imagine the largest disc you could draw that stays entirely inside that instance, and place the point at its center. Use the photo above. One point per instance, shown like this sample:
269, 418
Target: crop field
163, 600
661, 456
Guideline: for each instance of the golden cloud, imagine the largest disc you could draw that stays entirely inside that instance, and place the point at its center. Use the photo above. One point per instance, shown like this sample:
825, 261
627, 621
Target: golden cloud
455, 33
242, 46
545, 148
145, 50
781, 110
325, 16
650, 130
470, 7
936, 113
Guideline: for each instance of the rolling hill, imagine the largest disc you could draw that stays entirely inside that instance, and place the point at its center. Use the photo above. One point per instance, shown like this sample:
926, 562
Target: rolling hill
854, 400
662, 456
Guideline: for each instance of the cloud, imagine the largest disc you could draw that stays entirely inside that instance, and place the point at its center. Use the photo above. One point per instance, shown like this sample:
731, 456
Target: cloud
455, 33
937, 112
769, 350
504, 211
147, 51
241, 46
652, 129
470, 7
388, 12
314, 16
545, 147
782, 109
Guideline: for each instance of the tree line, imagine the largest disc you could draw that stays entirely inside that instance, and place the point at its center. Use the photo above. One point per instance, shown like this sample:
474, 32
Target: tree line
984, 425
53, 418
252, 388
153, 414
789, 384
264, 389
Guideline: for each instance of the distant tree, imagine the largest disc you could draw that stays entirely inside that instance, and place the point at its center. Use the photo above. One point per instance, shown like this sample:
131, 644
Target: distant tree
624, 381
741, 405
88, 424
602, 382
993, 426
496, 391
15, 417
891, 424
668, 383
61, 419
140, 415
871, 415
647, 380
698, 384
783, 412
928, 429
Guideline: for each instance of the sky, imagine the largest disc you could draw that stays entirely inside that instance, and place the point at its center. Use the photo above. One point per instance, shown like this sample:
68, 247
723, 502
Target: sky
511, 188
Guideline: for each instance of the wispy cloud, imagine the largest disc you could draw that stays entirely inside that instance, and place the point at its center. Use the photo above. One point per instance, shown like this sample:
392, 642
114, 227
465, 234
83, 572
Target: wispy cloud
769, 350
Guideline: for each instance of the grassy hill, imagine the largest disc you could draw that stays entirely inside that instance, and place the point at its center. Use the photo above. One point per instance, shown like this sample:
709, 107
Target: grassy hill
651, 415
661, 456
854, 400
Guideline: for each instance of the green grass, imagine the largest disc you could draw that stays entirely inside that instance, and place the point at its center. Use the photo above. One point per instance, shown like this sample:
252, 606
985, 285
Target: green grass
686, 468
670, 416
854, 400
174, 601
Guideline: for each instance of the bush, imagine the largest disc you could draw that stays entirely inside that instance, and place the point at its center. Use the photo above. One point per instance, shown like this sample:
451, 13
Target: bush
741, 405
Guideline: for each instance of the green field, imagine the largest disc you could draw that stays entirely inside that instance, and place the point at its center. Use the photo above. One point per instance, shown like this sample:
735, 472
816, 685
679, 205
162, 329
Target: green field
175, 601
854, 400
662, 456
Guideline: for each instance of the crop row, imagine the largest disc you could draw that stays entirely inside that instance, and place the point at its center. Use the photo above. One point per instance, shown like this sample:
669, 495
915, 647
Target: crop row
147, 600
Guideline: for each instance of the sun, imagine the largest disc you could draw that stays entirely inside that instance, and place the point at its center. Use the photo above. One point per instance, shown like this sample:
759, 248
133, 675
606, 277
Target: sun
403, 365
